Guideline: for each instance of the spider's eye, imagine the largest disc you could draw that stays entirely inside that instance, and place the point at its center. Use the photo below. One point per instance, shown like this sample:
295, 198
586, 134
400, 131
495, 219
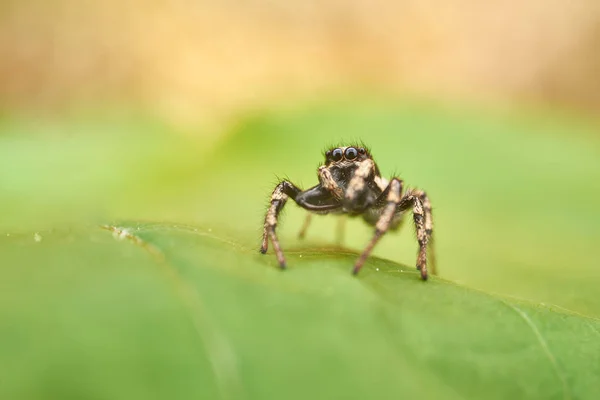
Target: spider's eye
351, 153
361, 150
337, 154
328, 154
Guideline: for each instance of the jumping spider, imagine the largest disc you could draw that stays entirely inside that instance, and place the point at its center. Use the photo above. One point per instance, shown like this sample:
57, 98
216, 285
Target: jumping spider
350, 183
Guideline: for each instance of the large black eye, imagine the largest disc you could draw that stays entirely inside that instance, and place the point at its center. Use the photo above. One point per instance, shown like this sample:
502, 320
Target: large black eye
337, 154
351, 153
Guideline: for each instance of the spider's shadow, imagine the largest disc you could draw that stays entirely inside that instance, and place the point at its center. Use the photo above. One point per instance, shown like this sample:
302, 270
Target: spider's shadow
342, 256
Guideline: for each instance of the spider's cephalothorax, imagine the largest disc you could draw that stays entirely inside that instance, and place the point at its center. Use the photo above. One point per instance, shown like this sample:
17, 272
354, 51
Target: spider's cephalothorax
350, 183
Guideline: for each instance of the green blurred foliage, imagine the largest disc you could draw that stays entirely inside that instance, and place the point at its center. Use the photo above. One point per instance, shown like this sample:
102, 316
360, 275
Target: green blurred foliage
191, 309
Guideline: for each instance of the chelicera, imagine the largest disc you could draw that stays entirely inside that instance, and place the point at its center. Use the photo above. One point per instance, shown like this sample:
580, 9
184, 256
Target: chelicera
350, 183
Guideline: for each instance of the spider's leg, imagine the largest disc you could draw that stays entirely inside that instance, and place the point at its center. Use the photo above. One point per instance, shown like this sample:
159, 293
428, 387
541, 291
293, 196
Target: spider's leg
305, 226
422, 216
316, 199
339, 230
384, 222
429, 230
278, 199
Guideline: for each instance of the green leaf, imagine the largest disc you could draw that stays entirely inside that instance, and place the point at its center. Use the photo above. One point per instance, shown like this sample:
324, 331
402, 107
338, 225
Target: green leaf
152, 311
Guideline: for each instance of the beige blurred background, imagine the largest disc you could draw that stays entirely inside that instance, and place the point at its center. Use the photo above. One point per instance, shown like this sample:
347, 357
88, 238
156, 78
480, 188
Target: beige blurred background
194, 60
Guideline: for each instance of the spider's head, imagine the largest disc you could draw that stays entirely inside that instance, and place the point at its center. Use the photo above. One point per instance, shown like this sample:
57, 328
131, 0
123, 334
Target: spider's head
343, 157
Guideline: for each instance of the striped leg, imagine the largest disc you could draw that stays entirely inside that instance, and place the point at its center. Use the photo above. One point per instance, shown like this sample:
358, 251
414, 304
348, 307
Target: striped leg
384, 222
278, 199
429, 230
421, 208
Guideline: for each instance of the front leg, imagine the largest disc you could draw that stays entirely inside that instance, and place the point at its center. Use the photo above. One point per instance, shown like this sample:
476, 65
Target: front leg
317, 199
278, 199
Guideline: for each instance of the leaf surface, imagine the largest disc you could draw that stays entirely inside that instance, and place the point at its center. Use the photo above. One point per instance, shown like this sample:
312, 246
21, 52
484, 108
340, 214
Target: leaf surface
162, 310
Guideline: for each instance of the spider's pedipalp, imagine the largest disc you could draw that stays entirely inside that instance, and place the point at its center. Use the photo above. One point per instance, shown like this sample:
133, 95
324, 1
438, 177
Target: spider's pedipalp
327, 181
358, 181
359, 195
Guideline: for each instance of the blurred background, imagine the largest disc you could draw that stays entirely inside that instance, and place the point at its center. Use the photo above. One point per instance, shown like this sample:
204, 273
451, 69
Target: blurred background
188, 111
196, 60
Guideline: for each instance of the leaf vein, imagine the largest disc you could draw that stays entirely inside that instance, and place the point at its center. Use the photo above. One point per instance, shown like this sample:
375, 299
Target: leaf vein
221, 353
544, 344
